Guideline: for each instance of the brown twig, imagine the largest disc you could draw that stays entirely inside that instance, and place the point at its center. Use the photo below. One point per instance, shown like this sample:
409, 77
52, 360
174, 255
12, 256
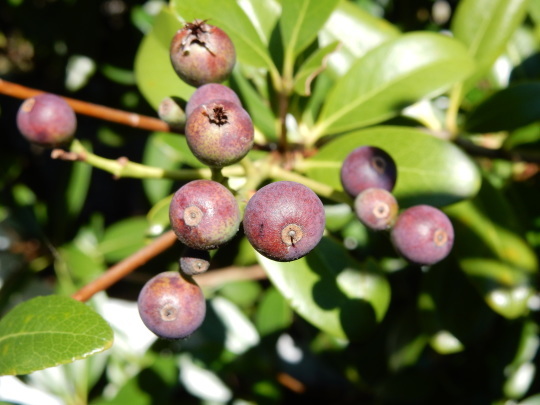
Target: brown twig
126, 266
218, 277
93, 110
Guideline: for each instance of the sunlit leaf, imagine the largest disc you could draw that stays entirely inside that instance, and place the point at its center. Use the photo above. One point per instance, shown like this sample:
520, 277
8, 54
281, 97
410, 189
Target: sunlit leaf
430, 170
48, 331
392, 76
313, 66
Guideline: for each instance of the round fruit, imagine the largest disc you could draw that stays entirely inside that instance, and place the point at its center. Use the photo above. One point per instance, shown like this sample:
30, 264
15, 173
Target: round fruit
209, 92
368, 167
171, 305
204, 214
194, 261
47, 120
219, 133
376, 208
284, 220
171, 112
423, 235
201, 53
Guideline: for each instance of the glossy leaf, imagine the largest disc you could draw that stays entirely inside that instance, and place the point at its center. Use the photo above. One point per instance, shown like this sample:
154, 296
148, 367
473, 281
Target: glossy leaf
301, 20
492, 253
506, 110
155, 76
430, 170
485, 26
392, 76
228, 16
312, 67
346, 25
332, 290
158, 216
48, 331
123, 238
263, 15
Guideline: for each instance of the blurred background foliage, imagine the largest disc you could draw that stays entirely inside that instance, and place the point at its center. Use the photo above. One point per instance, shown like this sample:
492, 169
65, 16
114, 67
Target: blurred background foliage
63, 224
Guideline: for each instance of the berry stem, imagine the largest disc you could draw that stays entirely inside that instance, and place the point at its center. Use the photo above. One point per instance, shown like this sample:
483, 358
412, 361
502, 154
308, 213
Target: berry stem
126, 266
323, 190
123, 167
456, 95
94, 110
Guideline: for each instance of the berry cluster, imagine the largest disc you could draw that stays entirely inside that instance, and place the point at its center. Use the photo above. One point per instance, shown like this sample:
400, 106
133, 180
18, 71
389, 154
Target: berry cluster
422, 234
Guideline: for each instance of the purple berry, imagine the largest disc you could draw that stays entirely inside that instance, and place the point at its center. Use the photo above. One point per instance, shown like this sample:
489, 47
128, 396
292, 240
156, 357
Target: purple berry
201, 53
368, 167
204, 214
284, 220
209, 92
376, 208
171, 305
194, 261
423, 235
219, 133
47, 120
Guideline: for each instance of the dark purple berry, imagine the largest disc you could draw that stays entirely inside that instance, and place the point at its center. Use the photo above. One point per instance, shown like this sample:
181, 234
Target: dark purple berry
172, 305
194, 261
376, 208
284, 220
201, 53
368, 167
47, 120
204, 214
209, 92
423, 235
219, 133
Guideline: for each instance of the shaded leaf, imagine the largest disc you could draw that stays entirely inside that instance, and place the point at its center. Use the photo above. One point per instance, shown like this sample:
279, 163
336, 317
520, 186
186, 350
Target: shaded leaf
508, 109
273, 313
392, 76
155, 76
123, 238
48, 331
430, 170
332, 290
312, 67
301, 20
485, 26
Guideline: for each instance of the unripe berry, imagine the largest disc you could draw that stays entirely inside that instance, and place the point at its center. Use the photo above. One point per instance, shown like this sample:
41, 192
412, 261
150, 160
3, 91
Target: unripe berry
376, 208
171, 112
368, 167
204, 214
284, 220
209, 92
172, 305
201, 53
194, 261
219, 133
423, 235
47, 120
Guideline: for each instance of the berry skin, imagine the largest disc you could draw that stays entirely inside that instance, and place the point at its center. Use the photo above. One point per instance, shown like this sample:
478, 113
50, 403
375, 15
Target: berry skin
194, 261
47, 120
284, 220
201, 53
209, 92
368, 167
171, 305
219, 133
376, 208
423, 235
204, 214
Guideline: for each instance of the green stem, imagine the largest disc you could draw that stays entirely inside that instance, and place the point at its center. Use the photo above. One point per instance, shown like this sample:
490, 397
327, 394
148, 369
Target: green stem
255, 174
452, 113
122, 167
323, 190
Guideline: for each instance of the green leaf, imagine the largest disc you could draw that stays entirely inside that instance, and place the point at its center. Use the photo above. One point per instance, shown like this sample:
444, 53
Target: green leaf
508, 109
430, 170
124, 238
227, 15
392, 76
346, 25
158, 216
485, 26
332, 290
273, 313
301, 20
48, 331
155, 76
309, 70
492, 253
79, 183
263, 15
